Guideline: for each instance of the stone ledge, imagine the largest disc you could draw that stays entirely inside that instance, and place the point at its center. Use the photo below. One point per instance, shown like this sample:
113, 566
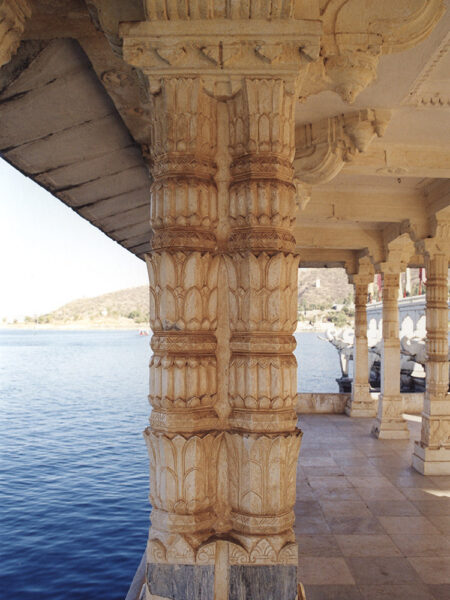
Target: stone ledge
326, 403
334, 403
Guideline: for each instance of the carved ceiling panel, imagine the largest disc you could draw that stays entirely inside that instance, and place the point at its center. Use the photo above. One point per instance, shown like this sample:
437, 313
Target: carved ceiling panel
432, 87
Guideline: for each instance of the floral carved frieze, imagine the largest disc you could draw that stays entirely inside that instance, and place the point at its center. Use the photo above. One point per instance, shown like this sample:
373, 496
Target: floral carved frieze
262, 481
323, 148
262, 292
182, 382
183, 472
263, 382
183, 291
13, 15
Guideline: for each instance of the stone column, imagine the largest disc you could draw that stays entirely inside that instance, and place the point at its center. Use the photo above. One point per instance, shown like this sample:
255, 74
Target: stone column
361, 404
432, 454
223, 442
390, 423
263, 442
184, 436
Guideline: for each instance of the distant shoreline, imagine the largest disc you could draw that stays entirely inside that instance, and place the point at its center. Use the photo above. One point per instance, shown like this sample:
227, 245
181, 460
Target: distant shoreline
71, 327
85, 326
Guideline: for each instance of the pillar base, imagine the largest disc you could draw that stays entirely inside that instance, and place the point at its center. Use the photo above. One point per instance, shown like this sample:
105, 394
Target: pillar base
394, 429
245, 582
362, 404
222, 569
431, 461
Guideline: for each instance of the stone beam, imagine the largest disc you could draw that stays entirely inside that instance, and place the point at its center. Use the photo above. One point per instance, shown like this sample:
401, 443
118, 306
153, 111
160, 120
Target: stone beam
328, 258
397, 160
339, 238
364, 206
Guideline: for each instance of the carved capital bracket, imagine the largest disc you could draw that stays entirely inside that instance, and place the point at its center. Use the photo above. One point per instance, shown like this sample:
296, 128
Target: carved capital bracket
13, 15
323, 148
221, 51
355, 38
439, 242
364, 272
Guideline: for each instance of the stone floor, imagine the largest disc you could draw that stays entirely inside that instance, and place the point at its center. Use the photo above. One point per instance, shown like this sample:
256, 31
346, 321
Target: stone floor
369, 527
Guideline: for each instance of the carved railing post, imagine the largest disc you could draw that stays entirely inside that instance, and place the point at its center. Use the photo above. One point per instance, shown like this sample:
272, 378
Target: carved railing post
361, 403
432, 454
390, 423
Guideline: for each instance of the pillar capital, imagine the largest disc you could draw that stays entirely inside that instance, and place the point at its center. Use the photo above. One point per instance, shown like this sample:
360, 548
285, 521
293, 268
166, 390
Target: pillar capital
222, 52
439, 242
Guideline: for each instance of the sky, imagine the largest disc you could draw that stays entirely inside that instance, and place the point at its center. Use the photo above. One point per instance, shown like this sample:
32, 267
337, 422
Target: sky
49, 255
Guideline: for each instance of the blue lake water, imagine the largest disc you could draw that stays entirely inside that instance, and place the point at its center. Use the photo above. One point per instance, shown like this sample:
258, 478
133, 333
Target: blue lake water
73, 465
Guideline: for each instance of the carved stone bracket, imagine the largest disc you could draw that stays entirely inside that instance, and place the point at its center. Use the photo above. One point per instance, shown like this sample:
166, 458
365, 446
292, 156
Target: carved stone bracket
355, 38
323, 148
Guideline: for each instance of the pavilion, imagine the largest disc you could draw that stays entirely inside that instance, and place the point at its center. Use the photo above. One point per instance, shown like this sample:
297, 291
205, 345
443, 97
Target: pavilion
227, 143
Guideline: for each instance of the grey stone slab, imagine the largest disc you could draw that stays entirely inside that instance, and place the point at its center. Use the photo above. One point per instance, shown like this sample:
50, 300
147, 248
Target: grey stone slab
77, 143
181, 582
271, 582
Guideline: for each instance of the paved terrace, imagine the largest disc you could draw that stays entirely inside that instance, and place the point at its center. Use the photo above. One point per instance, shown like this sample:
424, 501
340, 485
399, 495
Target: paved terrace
369, 527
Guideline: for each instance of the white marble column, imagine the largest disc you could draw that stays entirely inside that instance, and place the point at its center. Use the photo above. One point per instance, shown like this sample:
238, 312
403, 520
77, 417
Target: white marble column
432, 453
361, 403
390, 423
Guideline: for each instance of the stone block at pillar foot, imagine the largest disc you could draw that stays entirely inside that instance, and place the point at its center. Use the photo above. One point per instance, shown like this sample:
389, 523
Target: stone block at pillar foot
245, 582
271, 582
361, 409
390, 430
180, 582
431, 461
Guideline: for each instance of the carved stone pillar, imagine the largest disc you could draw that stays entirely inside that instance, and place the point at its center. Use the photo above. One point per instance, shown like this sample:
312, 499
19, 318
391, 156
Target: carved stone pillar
361, 403
390, 423
262, 271
432, 454
184, 437
223, 443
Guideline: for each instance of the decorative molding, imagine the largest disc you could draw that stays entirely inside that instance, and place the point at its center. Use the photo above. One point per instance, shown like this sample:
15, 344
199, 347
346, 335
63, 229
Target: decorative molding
430, 90
13, 15
183, 472
262, 292
224, 46
183, 291
262, 481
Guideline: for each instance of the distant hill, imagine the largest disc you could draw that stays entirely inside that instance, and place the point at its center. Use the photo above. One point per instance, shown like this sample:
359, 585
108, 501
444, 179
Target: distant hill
318, 288
321, 288
123, 308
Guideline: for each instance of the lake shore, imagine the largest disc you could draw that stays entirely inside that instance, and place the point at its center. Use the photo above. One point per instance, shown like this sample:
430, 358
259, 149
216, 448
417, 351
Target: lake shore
124, 326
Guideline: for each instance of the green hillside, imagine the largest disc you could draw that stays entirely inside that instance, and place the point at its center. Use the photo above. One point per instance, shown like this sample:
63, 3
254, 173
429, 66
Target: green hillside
130, 307
125, 307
